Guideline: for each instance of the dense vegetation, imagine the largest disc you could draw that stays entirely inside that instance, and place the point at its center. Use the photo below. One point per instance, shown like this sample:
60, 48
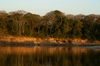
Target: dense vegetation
54, 24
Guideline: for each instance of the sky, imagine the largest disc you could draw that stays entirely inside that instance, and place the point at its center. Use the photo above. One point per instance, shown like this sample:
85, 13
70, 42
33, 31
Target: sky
42, 7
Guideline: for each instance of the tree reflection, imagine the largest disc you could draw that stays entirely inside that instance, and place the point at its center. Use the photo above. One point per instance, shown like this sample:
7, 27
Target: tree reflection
49, 56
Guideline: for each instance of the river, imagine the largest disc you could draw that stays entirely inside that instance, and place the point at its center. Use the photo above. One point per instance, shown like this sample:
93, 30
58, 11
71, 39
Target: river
49, 56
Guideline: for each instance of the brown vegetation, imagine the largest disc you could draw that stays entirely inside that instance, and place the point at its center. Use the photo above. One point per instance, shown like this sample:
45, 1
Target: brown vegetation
32, 40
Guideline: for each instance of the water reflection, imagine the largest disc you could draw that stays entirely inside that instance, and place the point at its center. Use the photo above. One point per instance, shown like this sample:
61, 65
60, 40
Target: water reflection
48, 56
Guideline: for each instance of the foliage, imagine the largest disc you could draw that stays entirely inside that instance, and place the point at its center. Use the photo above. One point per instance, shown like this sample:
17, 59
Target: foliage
54, 24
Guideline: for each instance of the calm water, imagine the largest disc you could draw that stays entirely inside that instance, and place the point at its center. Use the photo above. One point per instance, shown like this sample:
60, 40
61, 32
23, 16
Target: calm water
49, 56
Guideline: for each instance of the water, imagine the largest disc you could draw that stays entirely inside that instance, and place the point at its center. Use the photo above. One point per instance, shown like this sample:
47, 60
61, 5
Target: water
49, 56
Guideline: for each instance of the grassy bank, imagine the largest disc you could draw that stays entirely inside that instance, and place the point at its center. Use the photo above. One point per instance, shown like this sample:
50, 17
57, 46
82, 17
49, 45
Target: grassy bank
45, 41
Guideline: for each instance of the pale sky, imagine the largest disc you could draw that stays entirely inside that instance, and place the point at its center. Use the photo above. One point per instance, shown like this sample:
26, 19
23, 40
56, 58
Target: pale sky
41, 7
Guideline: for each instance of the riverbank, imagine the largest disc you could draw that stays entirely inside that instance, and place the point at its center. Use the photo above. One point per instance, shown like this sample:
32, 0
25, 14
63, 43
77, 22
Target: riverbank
46, 41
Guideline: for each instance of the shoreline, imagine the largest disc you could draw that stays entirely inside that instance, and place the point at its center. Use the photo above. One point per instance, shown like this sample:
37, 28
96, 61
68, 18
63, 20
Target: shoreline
15, 40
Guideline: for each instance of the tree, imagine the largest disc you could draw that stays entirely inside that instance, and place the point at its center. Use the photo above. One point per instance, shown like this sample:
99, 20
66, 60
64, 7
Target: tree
17, 17
70, 16
79, 17
98, 20
49, 19
59, 19
76, 29
3, 29
3, 14
88, 30
3, 20
33, 20
91, 18
65, 27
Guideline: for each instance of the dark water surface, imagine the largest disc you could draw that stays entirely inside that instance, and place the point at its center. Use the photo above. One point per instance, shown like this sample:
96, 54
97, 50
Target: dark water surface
49, 56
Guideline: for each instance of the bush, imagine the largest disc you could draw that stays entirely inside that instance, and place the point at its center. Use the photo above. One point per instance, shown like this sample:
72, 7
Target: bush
70, 41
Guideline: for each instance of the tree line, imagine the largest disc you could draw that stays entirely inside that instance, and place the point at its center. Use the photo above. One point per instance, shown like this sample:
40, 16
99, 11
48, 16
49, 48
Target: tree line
54, 24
